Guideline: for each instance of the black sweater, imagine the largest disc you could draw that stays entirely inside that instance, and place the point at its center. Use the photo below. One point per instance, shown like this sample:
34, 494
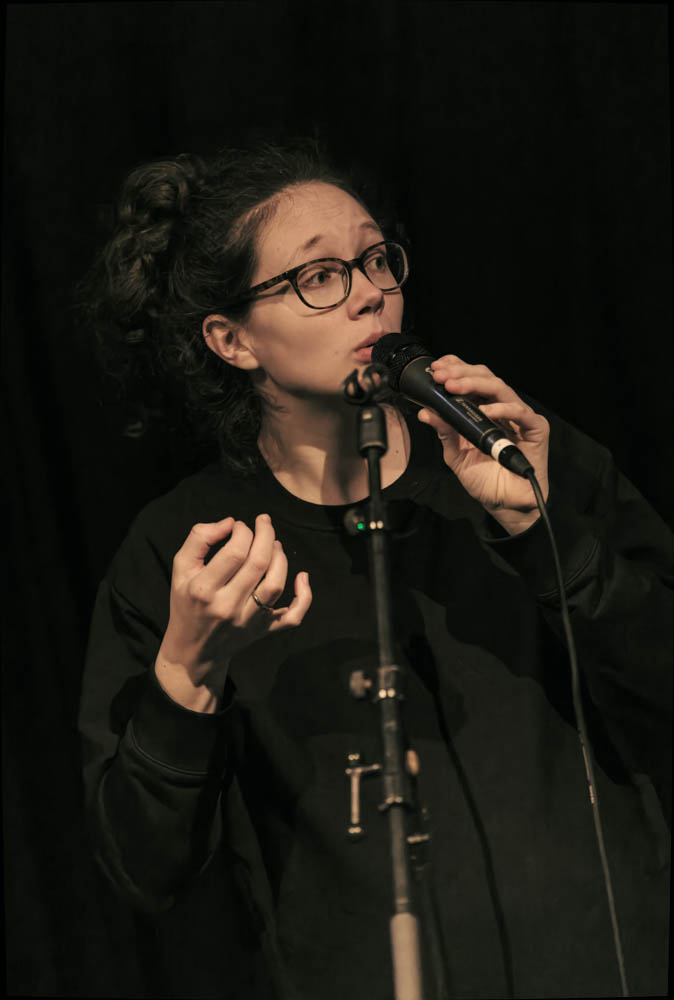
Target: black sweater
260, 787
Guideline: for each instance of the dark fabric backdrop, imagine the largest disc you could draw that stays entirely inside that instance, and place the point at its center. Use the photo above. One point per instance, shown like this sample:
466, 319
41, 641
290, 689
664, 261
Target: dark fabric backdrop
527, 146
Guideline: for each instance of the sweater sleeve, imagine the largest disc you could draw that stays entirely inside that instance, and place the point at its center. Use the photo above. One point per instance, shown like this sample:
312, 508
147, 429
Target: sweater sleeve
616, 558
154, 771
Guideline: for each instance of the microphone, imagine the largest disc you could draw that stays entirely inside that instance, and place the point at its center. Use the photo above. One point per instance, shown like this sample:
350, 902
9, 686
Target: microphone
408, 364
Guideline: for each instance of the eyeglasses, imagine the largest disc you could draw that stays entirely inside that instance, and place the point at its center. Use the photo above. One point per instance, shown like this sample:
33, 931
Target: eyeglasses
326, 282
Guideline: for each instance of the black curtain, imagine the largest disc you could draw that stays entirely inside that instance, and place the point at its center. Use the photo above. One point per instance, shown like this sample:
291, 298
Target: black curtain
526, 146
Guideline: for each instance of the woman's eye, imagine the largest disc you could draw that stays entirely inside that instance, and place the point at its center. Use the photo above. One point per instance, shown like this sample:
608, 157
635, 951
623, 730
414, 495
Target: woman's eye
317, 277
376, 259
377, 263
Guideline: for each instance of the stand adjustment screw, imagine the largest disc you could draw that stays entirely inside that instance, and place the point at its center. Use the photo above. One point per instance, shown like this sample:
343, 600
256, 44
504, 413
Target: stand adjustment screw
418, 838
355, 771
412, 763
359, 684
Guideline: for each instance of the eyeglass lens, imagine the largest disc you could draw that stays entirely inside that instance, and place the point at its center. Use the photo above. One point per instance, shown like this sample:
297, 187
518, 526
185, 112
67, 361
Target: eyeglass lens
324, 283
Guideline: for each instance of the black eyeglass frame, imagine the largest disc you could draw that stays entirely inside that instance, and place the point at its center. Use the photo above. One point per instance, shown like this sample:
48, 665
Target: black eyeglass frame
291, 276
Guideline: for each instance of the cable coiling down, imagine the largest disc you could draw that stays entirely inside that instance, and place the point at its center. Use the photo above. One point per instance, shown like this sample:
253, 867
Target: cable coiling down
582, 733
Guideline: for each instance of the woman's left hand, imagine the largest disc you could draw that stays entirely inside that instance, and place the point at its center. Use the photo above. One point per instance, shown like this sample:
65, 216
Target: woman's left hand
506, 496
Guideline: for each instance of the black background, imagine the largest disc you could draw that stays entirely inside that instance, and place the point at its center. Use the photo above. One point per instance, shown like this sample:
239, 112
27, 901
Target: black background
527, 146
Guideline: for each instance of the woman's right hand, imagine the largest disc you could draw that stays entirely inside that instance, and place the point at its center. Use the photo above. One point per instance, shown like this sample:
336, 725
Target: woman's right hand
212, 612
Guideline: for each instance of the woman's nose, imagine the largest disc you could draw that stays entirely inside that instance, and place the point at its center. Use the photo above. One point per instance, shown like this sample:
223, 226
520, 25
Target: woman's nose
364, 295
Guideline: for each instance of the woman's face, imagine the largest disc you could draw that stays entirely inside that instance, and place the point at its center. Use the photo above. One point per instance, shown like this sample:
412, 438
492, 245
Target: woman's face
301, 351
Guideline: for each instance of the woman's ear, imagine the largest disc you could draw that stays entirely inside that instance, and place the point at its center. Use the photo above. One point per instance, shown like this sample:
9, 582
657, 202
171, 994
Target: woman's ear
229, 342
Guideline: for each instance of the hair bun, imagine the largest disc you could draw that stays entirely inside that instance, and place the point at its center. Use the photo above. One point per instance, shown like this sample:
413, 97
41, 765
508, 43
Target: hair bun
160, 191
153, 205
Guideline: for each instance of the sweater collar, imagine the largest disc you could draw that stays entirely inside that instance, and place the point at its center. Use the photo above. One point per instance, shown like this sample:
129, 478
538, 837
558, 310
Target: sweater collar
330, 517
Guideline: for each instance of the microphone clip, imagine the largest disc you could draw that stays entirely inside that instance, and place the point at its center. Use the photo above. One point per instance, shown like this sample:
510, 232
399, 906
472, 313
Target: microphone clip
361, 388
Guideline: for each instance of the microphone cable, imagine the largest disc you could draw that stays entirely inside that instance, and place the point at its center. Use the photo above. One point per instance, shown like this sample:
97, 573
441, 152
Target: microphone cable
582, 732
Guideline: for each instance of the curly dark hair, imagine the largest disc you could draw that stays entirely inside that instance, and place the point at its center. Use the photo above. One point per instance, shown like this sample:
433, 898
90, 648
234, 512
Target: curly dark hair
183, 243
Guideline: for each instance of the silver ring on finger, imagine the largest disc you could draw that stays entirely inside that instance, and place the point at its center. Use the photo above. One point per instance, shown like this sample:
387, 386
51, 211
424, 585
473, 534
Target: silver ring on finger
265, 607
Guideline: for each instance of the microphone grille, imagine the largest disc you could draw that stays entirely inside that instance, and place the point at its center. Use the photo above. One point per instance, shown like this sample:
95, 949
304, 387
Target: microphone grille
395, 351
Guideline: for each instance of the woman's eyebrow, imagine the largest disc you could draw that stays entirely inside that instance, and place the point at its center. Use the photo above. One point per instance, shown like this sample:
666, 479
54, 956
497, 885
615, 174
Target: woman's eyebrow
368, 225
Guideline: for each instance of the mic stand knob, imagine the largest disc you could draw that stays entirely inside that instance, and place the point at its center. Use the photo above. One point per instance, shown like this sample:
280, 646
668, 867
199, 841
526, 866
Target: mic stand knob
359, 684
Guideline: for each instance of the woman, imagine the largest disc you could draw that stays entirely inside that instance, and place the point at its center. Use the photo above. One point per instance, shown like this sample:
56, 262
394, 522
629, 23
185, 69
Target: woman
216, 713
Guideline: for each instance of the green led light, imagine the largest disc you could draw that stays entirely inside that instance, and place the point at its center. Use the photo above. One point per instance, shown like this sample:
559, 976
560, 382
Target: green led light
361, 525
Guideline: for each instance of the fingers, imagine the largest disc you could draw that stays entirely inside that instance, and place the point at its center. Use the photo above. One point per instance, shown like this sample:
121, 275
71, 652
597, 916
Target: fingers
517, 419
214, 598
444, 430
462, 379
243, 561
504, 404
200, 540
293, 615
271, 586
447, 359
518, 413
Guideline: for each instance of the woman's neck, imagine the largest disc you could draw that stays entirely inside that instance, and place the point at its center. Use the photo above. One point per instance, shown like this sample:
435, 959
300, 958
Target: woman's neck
311, 450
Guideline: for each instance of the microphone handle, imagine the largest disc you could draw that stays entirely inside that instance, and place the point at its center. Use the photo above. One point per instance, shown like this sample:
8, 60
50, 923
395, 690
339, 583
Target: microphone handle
463, 415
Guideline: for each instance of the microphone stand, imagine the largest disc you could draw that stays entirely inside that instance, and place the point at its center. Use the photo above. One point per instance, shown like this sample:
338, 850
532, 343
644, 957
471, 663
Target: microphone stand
399, 765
